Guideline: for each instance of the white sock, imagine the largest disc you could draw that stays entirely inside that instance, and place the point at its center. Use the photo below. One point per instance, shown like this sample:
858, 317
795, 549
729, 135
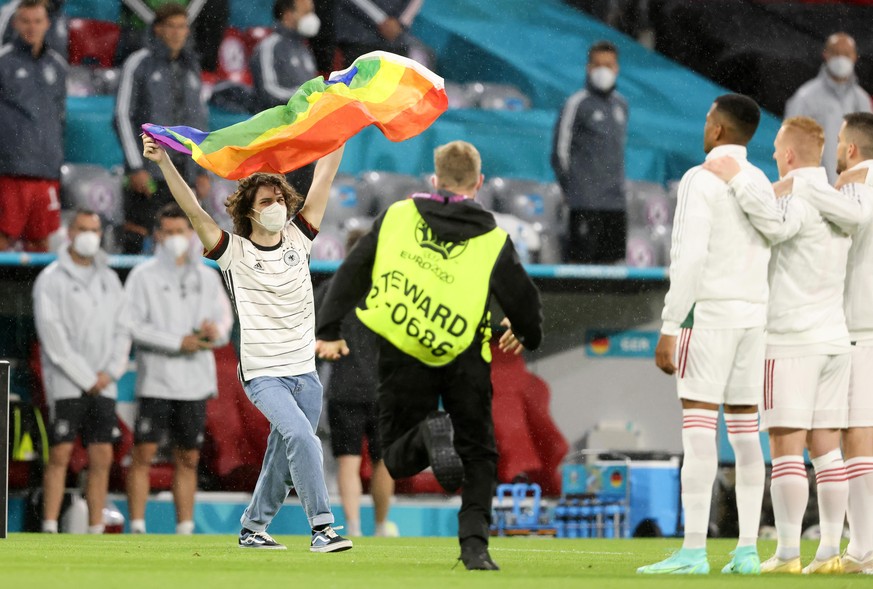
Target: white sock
789, 490
185, 528
833, 497
137, 526
97, 529
50, 526
698, 473
860, 472
750, 473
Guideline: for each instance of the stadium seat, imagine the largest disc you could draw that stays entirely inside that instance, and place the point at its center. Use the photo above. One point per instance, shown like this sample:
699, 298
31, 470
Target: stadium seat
330, 245
379, 190
458, 96
648, 205
526, 236
343, 203
80, 81
648, 246
540, 204
92, 187
219, 190
254, 35
233, 57
489, 96
93, 42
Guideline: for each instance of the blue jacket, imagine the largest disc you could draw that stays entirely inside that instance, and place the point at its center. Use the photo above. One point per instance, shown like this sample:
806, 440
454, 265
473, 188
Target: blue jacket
33, 93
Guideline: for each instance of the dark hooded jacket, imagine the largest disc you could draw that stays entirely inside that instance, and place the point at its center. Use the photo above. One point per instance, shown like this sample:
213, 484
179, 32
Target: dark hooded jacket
453, 221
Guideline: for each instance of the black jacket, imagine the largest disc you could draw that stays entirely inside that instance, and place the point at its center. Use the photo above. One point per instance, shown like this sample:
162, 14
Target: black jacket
451, 221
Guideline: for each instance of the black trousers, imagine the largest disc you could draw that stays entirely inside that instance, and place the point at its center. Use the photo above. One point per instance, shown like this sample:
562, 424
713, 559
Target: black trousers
408, 392
596, 237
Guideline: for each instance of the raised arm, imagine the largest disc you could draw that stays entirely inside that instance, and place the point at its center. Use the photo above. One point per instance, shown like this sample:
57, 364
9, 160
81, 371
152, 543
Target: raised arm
319, 191
205, 227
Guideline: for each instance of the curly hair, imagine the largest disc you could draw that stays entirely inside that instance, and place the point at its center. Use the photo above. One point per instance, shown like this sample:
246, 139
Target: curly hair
239, 205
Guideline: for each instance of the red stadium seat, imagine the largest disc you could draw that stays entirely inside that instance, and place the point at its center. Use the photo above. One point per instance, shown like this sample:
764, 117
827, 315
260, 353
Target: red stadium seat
233, 57
93, 42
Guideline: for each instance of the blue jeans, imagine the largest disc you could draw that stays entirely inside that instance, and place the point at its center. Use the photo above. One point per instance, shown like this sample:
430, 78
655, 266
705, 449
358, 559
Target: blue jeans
294, 457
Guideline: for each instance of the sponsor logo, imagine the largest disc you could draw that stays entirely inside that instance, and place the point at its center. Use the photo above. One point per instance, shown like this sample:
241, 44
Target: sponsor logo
427, 239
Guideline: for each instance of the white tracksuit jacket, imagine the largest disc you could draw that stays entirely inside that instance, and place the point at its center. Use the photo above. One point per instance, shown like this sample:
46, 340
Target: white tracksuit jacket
168, 302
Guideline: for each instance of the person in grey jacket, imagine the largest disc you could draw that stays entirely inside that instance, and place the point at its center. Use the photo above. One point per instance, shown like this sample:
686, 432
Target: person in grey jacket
833, 93
80, 313
588, 160
32, 112
159, 84
282, 62
178, 313
363, 26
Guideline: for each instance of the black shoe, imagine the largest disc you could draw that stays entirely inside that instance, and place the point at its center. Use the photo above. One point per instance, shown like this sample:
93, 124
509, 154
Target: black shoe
444, 460
259, 540
327, 540
474, 555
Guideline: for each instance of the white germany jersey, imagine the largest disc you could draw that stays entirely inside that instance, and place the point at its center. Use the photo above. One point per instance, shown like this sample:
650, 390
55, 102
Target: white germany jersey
271, 292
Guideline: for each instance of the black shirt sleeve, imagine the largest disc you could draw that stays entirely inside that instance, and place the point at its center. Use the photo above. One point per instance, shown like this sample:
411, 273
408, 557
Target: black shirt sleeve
518, 297
348, 286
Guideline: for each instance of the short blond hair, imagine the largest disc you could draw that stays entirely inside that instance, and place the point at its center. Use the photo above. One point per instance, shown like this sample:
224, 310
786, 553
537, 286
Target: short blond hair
457, 165
806, 137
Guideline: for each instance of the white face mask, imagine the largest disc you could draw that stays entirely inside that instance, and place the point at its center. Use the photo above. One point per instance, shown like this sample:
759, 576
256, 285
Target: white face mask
177, 245
272, 218
602, 78
86, 244
840, 66
309, 25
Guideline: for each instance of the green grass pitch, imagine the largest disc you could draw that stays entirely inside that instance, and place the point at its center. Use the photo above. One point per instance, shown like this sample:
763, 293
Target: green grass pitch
166, 562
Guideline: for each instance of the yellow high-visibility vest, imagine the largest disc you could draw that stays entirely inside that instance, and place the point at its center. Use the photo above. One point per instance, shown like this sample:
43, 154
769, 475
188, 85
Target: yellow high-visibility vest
430, 297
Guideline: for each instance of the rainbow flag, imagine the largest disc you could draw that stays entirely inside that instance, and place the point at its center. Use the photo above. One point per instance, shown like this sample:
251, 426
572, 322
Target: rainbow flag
398, 95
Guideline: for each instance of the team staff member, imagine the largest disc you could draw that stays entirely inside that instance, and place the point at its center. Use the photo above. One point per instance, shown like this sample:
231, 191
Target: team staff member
79, 309
434, 261
179, 312
266, 270
33, 96
807, 360
159, 84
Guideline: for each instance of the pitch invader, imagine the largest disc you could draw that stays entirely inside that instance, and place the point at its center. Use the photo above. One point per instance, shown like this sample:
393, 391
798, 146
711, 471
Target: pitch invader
715, 311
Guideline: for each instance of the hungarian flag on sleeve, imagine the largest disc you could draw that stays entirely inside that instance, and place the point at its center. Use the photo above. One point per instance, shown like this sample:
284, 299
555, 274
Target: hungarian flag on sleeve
398, 95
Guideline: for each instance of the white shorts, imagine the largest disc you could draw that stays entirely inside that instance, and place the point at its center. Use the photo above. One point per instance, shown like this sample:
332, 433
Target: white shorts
808, 392
861, 387
721, 366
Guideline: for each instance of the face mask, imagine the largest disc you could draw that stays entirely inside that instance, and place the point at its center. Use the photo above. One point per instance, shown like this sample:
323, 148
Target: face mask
309, 25
86, 244
840, 66
177, 245
273, 218
602, 78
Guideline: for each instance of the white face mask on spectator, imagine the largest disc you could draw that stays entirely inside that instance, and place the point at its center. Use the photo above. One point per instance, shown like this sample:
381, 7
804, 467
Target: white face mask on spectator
177, 245
86, 244
602, 78
309, 25
840, 66
272, 218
